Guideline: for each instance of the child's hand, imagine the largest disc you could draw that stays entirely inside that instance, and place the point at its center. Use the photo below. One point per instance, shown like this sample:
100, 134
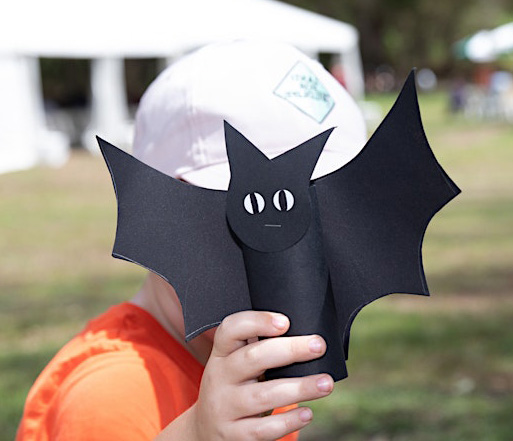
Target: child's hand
231, 398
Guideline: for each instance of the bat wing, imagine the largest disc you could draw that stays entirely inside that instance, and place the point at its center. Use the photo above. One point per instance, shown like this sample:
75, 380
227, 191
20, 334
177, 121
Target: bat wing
179, 232
375, 211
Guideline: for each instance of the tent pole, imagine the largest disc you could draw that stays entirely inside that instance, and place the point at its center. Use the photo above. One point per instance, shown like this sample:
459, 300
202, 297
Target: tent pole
109, 107
25, 141
353, 72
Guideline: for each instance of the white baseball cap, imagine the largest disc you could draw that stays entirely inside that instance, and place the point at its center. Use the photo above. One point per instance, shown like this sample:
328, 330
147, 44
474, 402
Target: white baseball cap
272, 93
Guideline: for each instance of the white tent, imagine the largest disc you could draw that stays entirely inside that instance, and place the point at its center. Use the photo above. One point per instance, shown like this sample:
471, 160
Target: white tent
24, 139
487, 45
107, 31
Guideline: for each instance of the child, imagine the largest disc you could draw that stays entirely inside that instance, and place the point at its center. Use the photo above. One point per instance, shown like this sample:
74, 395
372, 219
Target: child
129, 375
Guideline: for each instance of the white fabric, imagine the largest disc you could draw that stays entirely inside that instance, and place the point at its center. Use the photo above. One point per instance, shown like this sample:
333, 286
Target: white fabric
116, 29
503, 38
480, 47
161, 28
109, 108
157, 28
179, 124
24, 139
486, 45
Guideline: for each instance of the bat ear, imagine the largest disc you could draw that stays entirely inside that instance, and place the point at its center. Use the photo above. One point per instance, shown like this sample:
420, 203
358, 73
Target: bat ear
108, 150
406, 107
240, 150
102, 143
303, 158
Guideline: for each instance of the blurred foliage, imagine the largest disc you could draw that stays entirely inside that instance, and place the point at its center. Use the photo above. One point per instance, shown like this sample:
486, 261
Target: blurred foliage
139, 73
406, 33
66, 82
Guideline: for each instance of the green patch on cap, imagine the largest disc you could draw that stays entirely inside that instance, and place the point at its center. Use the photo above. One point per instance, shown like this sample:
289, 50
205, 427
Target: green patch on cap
303, 89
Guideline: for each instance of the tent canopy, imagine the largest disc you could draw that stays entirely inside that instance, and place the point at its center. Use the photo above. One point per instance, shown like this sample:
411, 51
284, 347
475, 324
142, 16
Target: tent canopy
486, 45
99, 28
107, 31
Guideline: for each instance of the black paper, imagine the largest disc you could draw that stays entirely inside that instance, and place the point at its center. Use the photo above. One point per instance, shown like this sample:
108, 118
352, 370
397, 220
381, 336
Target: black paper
316, 251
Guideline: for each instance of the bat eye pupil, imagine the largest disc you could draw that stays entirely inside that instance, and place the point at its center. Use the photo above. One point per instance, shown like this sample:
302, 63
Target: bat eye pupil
254, 203
283, 200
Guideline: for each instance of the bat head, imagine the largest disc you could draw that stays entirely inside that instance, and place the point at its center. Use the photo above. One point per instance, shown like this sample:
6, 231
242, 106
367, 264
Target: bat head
268, 202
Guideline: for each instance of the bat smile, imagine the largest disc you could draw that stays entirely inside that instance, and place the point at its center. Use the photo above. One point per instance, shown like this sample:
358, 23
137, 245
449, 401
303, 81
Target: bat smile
272, 225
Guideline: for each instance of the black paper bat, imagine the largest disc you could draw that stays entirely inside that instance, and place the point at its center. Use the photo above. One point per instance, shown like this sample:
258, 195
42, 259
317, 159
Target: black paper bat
318, 251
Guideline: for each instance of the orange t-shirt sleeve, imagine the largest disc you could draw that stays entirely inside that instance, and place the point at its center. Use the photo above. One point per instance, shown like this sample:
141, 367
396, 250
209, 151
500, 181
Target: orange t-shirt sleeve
291, 436
123, 378
117, 402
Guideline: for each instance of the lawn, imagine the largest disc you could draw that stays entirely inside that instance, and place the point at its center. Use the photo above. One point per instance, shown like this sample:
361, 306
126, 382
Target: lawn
438, 368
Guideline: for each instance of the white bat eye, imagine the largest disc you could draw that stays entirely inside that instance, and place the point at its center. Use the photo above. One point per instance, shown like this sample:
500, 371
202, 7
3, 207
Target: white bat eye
283, 200
254, 203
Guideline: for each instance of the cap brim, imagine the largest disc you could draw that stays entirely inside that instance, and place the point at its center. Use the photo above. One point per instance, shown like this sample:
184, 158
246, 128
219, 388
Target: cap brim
217, 176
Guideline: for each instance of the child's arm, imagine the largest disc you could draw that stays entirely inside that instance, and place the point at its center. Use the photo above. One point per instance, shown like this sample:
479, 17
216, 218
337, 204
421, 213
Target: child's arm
231, 398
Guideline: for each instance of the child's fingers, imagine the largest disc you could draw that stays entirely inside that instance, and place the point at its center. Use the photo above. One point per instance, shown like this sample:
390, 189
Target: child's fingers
268, 395
236, 329
253, 360
272, 427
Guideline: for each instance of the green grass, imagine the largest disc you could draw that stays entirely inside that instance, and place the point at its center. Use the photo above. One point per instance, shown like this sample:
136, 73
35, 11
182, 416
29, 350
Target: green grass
441, 368
424, 369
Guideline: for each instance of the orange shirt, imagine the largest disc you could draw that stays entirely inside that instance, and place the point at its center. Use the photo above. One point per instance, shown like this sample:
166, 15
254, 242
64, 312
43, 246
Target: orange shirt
122, 378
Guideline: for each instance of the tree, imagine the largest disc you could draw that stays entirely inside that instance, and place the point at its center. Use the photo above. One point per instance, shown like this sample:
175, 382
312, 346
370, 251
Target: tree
407, 33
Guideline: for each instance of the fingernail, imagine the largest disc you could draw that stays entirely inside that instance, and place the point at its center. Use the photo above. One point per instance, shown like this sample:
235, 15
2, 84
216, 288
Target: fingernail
280, 321
324, 384
315, 345
305, 415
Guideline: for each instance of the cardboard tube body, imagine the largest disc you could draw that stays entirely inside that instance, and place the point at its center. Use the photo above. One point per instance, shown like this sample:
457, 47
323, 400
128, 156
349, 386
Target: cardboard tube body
296, 283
